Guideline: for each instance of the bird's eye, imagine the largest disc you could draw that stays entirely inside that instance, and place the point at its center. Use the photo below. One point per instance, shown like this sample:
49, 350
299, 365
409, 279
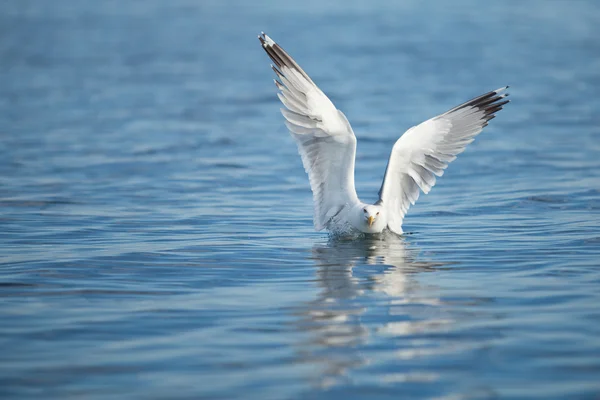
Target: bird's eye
364, 210
377, 213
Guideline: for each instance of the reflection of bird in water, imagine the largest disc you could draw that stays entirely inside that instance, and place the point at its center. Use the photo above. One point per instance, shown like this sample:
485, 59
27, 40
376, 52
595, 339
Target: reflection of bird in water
351, 275
392, 253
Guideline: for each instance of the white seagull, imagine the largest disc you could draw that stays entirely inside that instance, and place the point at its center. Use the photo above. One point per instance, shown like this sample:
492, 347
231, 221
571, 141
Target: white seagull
327, 146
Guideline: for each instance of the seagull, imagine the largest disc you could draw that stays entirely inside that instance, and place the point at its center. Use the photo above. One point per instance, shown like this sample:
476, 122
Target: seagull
327, 146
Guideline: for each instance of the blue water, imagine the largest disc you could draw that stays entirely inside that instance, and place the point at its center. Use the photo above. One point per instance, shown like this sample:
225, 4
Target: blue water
156, 235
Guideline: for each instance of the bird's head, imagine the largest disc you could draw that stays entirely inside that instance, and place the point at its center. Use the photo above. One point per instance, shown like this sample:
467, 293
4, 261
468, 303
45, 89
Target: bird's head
371, 213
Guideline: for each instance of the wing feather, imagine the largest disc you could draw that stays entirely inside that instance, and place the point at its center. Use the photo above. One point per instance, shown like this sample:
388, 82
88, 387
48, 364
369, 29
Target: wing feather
325, 139
424, 151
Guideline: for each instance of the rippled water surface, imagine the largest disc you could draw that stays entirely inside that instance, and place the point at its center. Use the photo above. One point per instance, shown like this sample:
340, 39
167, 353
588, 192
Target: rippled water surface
156, 238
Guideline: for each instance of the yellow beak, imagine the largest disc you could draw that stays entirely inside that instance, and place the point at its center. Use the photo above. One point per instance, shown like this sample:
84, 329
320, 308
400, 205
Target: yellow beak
371, 219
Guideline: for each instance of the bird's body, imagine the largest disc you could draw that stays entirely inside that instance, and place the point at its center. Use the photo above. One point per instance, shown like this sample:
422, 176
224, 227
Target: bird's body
327, 146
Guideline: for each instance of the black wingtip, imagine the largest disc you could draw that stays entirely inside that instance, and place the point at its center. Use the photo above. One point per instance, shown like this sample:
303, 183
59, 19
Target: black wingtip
490, 102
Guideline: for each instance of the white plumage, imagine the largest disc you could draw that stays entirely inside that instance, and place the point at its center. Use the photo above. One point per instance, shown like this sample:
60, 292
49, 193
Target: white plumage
327, 146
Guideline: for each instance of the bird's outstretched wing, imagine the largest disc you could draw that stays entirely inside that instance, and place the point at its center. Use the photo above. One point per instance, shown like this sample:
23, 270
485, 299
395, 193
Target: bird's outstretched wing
425, 150
325, 139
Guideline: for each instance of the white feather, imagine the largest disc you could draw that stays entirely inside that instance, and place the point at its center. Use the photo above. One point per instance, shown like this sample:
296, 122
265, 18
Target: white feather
425, 150
324, 137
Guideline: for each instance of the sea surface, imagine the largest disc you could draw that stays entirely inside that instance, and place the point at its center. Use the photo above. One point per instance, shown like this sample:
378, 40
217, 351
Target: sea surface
156, 237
